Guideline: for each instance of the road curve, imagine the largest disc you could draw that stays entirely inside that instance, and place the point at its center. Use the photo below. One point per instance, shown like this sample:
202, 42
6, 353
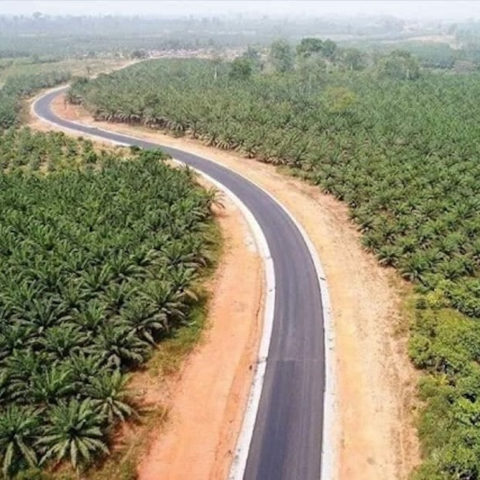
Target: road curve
287, 437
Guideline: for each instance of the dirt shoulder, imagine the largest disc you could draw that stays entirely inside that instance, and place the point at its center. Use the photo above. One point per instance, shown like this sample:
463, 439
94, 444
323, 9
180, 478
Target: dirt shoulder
207, 399
375, 380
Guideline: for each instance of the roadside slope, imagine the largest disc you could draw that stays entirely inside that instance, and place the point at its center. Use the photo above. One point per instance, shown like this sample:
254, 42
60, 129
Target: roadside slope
376, 381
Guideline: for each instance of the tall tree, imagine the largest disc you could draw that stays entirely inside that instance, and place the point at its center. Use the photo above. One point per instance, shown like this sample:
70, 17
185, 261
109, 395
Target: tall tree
241, 69
281, 56
399, 65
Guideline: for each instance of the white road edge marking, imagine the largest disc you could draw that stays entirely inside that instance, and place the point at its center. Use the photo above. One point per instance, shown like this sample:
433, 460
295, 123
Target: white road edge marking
239, 462
328, 454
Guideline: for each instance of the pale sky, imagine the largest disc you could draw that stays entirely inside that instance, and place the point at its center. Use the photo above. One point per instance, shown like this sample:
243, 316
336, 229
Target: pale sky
452, 10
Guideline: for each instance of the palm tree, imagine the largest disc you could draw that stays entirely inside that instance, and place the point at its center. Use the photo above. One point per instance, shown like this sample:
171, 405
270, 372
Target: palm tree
413, 267
51, 385
389, 255
73, 433
14, 336
118, 345
117, 295
110, 396
83, 366
92, 316
122, 268
19, 429
41, 315
140, 316
21, 366
63, 340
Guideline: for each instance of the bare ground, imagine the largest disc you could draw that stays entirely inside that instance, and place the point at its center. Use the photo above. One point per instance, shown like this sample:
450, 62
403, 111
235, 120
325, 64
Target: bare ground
376, 382
207, 399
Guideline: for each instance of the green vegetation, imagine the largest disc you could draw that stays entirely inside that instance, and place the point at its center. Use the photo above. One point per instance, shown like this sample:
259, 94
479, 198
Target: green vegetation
397, 144
23, 77
436, 55
18, 87
47, 65
77, 36
101, 255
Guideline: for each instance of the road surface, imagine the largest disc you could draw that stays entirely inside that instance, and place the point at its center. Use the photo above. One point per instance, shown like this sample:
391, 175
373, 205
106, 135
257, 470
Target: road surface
286, 443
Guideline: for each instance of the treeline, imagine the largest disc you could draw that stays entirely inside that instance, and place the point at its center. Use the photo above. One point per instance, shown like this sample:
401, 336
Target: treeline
437, 56
397, 144
79, 35
69, 35
101, 255
313, 56
18, 87
151, 25
89, 46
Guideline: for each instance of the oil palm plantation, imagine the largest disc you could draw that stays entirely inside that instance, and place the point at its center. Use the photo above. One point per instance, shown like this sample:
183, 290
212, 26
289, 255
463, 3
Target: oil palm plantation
88, 286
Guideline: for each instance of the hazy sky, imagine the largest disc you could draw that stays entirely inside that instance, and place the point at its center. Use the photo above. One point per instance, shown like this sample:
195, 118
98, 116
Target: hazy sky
447, 10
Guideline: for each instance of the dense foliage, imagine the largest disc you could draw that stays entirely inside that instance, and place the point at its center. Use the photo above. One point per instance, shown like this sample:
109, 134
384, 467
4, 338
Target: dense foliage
18, 87
100, 257
398, 145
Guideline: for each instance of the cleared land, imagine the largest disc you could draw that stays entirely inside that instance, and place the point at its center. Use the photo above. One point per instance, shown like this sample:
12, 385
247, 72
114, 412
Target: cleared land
14, 67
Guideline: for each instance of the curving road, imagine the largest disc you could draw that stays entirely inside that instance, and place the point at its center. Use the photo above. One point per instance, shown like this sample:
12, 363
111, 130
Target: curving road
287, 437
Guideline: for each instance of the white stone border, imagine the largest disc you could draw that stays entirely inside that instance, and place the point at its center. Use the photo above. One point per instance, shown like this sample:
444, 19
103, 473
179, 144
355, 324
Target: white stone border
239, 461
328, 453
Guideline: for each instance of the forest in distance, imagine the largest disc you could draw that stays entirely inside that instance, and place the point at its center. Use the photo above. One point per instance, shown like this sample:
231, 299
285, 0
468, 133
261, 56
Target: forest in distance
396, 142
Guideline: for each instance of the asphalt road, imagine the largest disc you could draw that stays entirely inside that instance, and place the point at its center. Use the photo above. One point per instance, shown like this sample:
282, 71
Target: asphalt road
287, 437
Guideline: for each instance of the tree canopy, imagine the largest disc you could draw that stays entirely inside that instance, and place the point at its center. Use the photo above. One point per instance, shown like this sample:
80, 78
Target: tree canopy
18, 87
